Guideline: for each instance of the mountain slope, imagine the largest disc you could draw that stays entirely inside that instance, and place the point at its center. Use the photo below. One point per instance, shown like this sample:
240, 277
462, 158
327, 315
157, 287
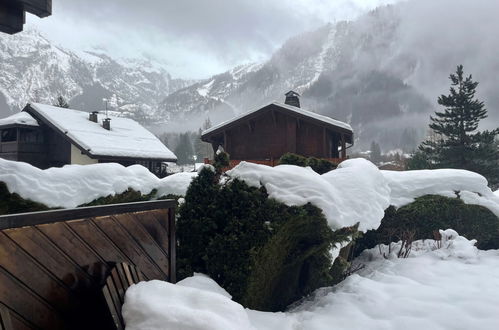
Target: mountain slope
382, 73
34, 69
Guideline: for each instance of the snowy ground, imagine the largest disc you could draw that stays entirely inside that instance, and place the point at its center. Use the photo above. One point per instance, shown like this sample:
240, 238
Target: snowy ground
451, 287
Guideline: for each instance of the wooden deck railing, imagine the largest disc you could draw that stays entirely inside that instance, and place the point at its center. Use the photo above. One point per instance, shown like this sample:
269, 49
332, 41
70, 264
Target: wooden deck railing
53, 264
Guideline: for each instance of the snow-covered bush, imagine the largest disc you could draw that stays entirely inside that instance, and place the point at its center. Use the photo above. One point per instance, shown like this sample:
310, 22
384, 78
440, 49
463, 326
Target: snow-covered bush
264, 253
320, 166
13, 203
427, 215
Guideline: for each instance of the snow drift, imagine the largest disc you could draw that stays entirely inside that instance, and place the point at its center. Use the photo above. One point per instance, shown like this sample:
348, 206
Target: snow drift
358, 192
442, 285
74, 185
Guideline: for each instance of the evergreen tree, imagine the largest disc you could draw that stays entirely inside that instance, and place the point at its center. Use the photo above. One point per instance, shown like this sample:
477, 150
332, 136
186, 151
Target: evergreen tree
184, 151
201, 148
459, 144
375, 153
61, 102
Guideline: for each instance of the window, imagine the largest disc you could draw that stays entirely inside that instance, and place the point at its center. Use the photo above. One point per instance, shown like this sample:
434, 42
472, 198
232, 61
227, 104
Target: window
9, 135
31, 135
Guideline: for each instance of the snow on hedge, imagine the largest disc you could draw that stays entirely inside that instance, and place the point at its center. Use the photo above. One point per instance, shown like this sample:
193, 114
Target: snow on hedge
358, 192
74, 185
355, 192
451, 287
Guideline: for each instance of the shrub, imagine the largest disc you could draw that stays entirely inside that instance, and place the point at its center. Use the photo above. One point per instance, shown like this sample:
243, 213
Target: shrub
13, 203
264, 253
128, 196
430, 213
293, 159
320, 166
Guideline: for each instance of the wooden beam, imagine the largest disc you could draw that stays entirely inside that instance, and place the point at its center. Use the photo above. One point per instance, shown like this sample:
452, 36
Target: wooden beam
274, 119
343, 147
40, 8
44, 217
225, 141
12, 17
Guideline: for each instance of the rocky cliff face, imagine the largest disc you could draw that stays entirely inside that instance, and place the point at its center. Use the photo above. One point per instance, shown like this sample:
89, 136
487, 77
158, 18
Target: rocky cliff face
35, 69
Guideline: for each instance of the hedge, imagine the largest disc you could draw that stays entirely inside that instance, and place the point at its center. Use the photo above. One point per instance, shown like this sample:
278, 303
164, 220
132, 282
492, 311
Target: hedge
430, 213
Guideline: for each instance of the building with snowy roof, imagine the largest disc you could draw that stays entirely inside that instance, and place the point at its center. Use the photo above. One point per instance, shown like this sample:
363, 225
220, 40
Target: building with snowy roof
265, 134
48, 136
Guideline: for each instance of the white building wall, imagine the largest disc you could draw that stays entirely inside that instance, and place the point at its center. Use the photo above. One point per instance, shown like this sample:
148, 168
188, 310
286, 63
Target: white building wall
78, 158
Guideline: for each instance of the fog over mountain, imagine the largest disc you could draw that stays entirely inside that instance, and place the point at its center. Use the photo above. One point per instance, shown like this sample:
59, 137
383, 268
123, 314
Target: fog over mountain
382, 73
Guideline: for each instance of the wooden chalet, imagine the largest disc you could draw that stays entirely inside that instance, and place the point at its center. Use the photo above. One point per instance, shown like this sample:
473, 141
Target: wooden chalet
265, 134
13, 13
47, 136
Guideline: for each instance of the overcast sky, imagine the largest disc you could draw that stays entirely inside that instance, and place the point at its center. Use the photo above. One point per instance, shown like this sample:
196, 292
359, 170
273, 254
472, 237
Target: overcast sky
191, 38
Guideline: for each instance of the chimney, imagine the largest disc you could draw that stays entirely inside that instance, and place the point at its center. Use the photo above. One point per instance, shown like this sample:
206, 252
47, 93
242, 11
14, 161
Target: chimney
93, 116
106, 123
292, 98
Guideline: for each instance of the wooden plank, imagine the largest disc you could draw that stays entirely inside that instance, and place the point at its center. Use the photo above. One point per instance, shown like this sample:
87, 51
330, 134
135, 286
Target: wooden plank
106, 291
26, 303
77, 249
119, 286
127, 244
38, 218
35, 276
50, 256
100, 243
156, 224
172, 276
132, 224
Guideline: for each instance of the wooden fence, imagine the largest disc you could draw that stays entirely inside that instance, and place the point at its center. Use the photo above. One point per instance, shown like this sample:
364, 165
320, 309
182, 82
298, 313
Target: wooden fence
53, 264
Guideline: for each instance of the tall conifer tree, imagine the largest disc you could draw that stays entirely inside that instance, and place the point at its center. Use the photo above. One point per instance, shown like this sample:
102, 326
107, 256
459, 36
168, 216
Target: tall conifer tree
457, 142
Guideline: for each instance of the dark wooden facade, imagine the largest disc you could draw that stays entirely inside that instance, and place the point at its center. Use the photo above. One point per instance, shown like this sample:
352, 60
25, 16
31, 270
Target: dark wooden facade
12, 13
272, 131
54, 264
47, 146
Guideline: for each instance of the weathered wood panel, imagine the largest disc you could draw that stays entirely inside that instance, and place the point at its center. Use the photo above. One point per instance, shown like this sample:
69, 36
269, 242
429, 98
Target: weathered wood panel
53, 264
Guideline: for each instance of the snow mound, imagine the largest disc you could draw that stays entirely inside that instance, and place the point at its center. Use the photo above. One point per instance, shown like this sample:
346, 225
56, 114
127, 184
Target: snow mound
204, 282
437, 287
355, 192
20, 118
74, 185
405, 186
161, 305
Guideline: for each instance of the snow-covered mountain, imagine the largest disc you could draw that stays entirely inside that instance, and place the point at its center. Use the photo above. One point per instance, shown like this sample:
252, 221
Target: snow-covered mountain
382, 73
35, 69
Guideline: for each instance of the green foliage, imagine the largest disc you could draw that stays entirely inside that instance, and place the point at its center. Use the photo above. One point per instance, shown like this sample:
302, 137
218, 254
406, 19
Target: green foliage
430, 213
221, 161
320, 166
61, 102
457, 143
11, 203
184, 150
419, 161
375, 155
128, 196
264, 253
293, 159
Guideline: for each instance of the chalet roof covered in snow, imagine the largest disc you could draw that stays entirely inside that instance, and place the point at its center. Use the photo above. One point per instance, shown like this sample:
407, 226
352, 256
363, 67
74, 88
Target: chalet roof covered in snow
125, 139
285, 108
21, 118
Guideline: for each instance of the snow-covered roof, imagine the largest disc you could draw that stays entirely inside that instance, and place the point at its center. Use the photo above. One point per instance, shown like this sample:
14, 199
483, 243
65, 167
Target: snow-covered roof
21, 118
300, 111
127, 138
